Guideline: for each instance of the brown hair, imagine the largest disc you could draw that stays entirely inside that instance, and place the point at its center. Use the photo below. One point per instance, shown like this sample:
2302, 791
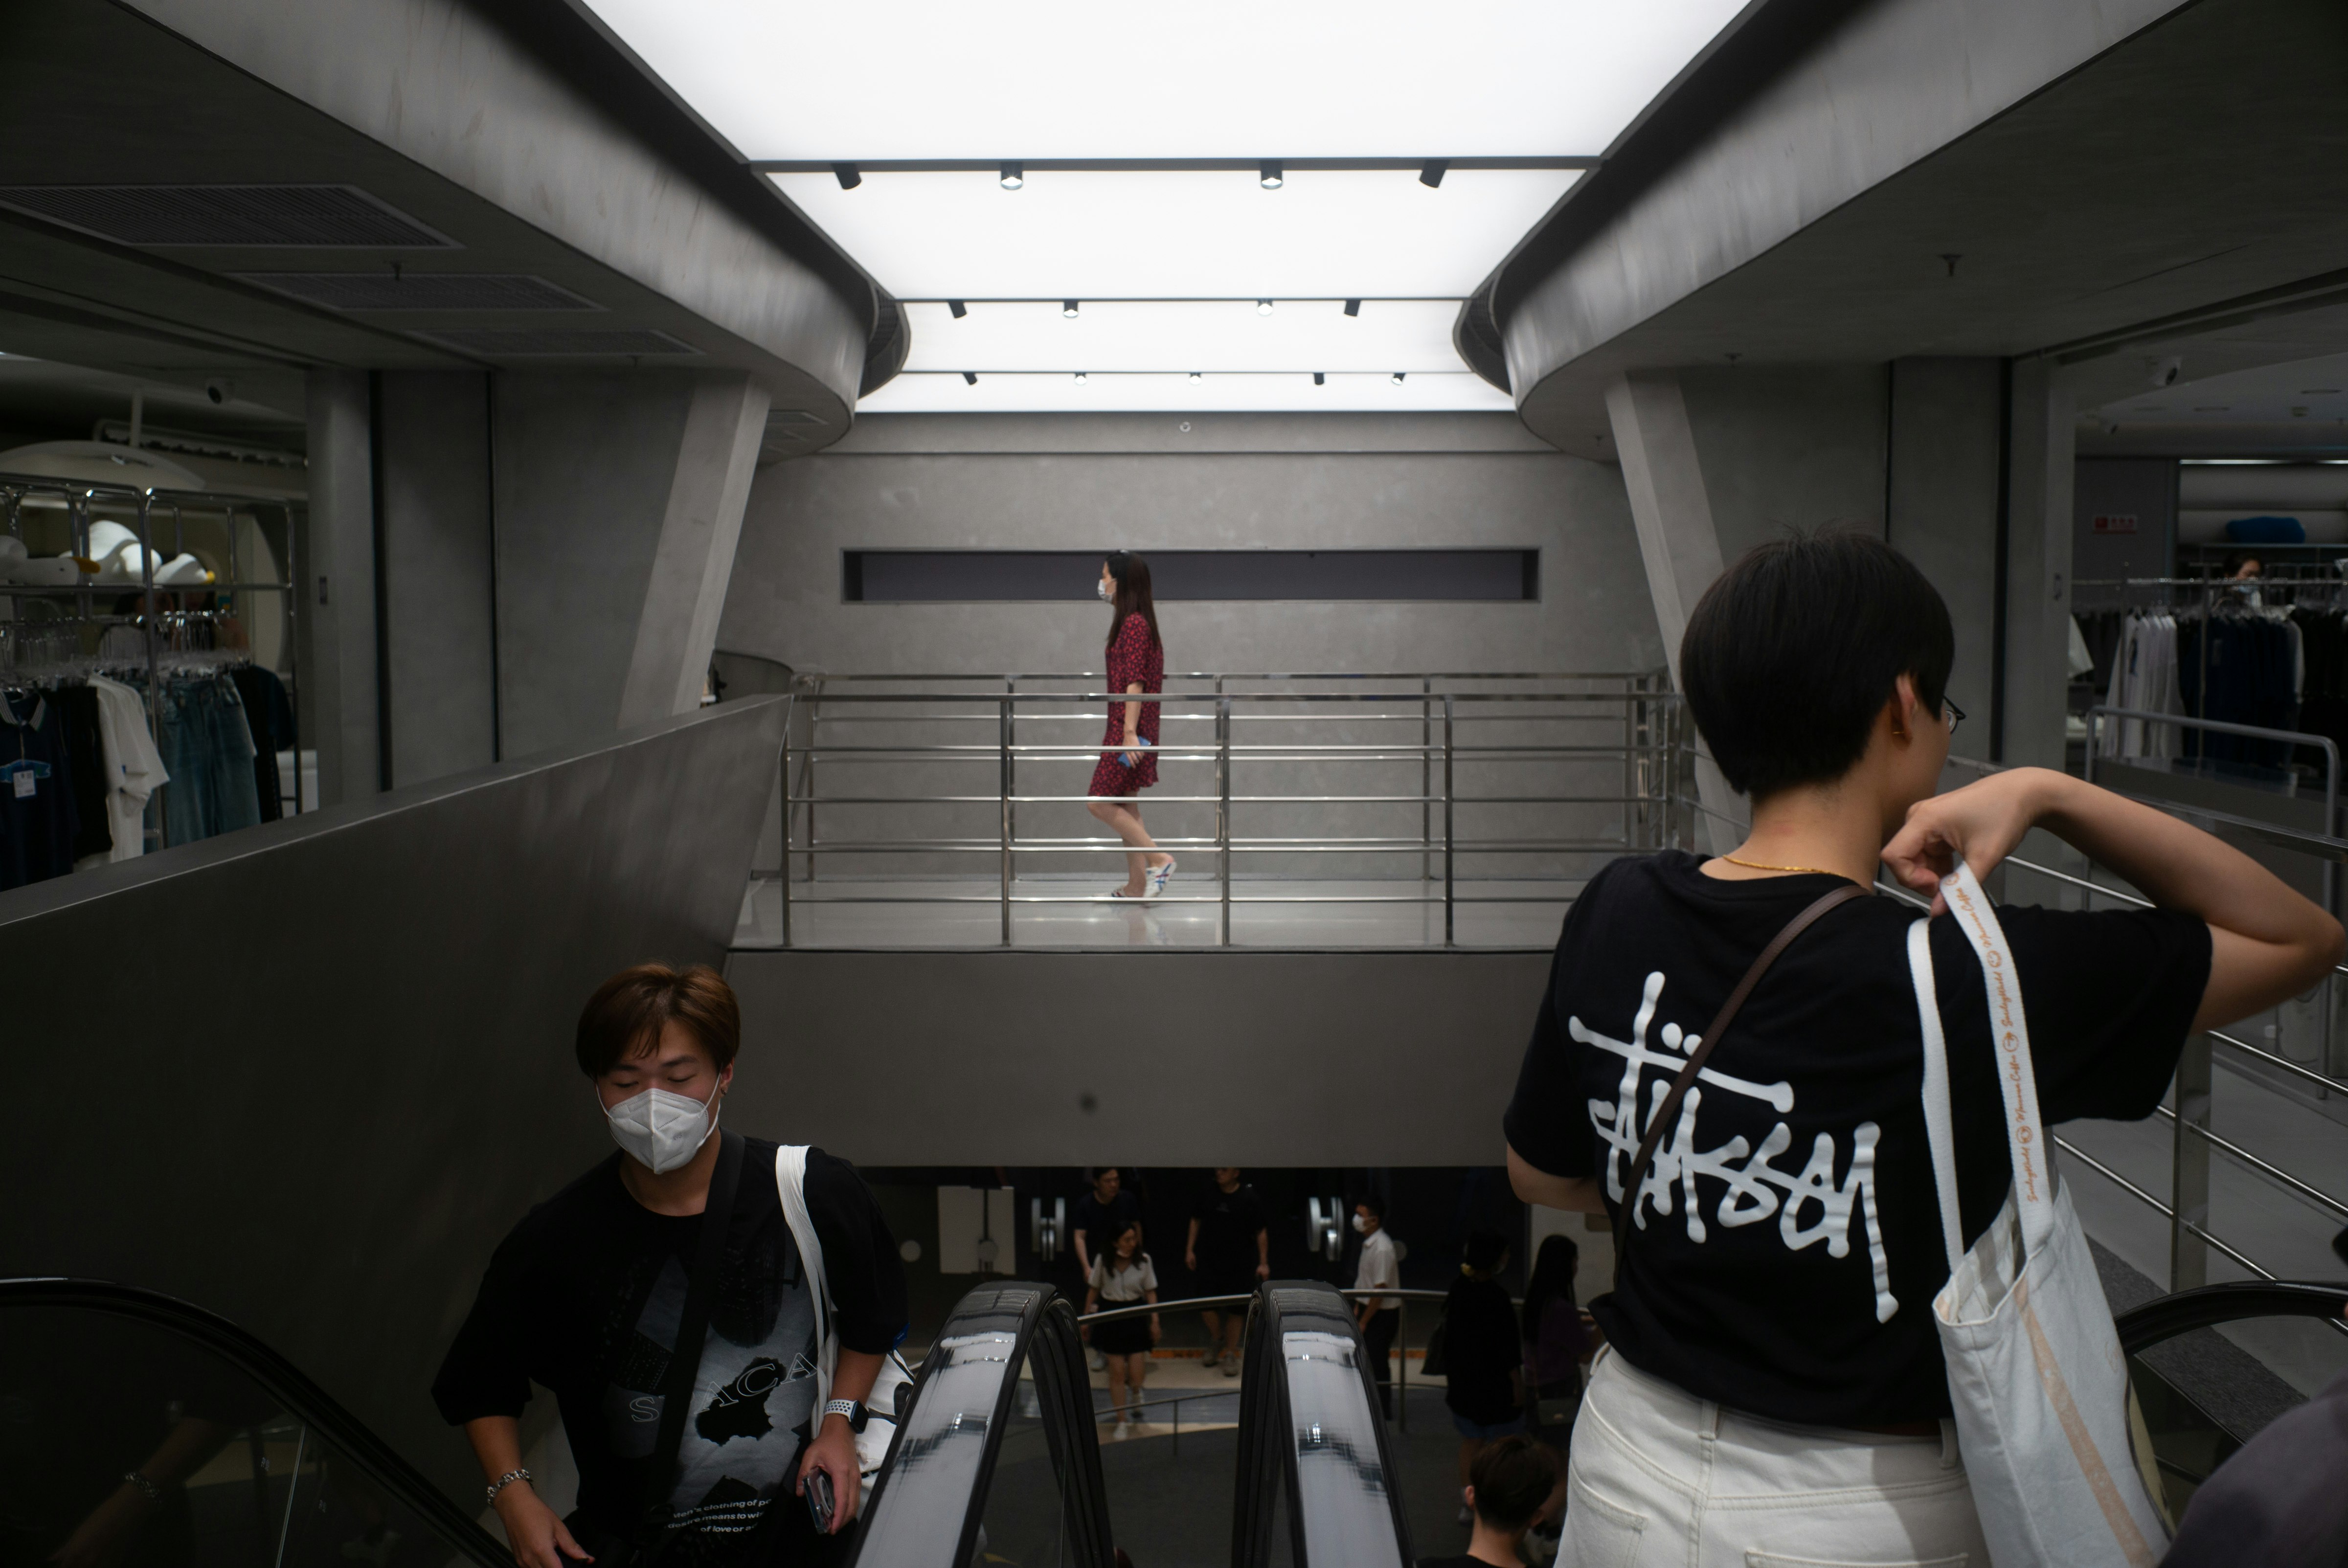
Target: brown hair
1513, 1478
627, 1013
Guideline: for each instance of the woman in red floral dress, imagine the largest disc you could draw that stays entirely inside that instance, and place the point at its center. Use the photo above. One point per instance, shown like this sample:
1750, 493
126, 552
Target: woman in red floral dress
1136, 665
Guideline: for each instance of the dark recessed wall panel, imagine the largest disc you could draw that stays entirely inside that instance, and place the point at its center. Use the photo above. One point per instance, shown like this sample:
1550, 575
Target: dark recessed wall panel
970, 576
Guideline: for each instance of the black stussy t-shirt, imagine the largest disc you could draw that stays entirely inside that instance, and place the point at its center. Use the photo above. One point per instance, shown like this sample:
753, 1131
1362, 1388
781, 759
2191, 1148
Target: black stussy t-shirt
1788, 1249
584, 1298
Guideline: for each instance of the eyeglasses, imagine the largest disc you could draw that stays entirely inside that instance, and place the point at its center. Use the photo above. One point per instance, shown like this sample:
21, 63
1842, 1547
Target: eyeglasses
1954, 714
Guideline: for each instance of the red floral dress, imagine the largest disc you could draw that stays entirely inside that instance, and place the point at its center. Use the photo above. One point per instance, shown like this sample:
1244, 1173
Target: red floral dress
1135, 659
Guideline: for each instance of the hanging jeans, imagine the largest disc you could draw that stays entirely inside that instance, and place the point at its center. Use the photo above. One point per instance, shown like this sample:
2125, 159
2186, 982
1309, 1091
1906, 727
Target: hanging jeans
208, 751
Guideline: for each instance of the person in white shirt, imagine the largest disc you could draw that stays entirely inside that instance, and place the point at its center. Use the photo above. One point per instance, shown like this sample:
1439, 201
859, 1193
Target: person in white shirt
1381, 1315
1122, 1277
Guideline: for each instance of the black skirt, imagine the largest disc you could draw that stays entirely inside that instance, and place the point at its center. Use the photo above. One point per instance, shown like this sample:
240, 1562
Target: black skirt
1123, 1336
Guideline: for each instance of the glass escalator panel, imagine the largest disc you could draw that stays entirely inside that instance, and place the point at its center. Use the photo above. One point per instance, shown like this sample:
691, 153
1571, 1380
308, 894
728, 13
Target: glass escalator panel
139, 1433
1317, 1480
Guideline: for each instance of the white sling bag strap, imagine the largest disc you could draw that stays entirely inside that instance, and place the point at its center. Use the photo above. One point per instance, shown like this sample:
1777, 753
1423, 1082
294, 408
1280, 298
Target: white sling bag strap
2035, 1373
872, 1442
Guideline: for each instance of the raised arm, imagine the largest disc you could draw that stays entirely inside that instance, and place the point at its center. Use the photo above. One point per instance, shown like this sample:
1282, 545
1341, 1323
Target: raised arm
2266, 943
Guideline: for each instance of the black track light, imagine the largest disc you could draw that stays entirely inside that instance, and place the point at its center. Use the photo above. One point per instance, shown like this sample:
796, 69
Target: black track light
1352, 307
1080, 378
958, 308
848, 176
1430, 174
971, 376
1397, 378
1014, 175
1269, 177
1068, 309
1320, 378
1196, 377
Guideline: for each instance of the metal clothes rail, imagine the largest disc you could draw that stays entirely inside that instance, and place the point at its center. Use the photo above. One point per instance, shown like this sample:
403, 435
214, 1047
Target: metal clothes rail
1629, 719
82, 501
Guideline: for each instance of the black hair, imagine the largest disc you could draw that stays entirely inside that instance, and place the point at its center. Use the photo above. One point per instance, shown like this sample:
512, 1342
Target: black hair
1483, 1251
1553, 1279
1373, 1204
1131, 574
1793, 652
1513, 1478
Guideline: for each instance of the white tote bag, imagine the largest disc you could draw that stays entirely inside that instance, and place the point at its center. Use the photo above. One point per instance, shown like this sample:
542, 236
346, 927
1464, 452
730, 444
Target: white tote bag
2034, 1365
872, 1442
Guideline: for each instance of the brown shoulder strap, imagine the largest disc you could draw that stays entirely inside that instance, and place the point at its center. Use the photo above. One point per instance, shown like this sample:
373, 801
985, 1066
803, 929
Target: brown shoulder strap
1702, 1053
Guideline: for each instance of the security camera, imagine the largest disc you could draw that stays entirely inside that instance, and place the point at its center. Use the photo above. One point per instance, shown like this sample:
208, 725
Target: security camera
220, 389
2164, 371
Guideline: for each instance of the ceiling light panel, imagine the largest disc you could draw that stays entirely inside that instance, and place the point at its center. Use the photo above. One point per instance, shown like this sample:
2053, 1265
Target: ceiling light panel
1207, 335
1235, 79
1188, 234
1175, 392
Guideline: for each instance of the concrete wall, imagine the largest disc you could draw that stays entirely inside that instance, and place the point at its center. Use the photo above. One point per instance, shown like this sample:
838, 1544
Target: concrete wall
2141, 490
1944, 508
1783, 447
1144, 483
438, 541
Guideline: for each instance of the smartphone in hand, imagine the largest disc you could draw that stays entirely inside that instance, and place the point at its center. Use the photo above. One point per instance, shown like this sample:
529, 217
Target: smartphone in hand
818, 1501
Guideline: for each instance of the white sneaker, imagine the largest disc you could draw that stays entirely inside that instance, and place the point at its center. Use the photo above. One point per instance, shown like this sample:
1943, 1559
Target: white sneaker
1093, 1359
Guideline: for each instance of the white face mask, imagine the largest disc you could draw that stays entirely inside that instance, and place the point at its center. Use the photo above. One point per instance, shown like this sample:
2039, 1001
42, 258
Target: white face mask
661, 1129
1104, 590
1361, 1225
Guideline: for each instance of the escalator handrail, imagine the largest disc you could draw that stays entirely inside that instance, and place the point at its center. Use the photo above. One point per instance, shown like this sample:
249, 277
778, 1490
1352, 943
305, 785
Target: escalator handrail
1267, 1426
2166, 1316
286, 1384
1047, 1323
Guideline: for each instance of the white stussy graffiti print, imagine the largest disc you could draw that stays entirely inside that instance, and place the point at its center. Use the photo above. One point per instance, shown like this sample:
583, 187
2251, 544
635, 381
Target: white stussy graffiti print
1753, 1183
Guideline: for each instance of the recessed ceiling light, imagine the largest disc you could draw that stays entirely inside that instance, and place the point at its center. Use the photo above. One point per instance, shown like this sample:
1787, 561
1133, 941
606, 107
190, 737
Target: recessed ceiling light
847, 175
1013, 176
1080, 378
1397, 378
971, 376
1431, 175
1068, 309
1270, 179
1263, 307
1352, 307
958, 308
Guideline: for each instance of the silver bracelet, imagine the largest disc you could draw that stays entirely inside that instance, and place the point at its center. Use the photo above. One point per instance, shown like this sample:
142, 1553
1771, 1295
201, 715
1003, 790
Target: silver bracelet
504, 1482
154, 1493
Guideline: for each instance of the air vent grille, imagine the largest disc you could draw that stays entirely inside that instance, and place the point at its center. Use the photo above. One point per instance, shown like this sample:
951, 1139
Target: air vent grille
255, 215
409, 290
527, 342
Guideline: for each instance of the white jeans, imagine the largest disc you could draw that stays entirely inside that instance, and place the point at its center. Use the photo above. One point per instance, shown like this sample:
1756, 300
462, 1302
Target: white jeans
1660, 1479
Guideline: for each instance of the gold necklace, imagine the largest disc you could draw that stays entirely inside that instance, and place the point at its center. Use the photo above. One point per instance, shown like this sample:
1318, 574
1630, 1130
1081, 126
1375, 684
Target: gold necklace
1764, 865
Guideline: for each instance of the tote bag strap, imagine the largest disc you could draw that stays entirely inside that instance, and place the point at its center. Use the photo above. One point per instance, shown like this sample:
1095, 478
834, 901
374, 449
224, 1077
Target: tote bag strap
790, 1187
2029, 1149
1939, 1128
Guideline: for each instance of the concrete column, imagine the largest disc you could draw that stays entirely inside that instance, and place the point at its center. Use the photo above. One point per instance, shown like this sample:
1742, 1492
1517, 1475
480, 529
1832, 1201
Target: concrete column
338, 692
1943, 507
1677, 539
2042, 444
677, 629
440, 632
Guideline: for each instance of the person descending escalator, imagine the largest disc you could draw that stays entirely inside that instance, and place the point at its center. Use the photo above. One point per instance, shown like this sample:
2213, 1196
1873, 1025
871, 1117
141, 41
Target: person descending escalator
1516, 1484
712, 1381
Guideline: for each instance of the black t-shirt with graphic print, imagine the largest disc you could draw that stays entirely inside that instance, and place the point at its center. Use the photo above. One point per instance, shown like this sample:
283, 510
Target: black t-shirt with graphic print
1799, 1285
584, 1298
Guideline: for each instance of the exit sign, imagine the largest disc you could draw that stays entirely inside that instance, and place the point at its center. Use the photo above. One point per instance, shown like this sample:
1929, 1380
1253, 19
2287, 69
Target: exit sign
2115, 523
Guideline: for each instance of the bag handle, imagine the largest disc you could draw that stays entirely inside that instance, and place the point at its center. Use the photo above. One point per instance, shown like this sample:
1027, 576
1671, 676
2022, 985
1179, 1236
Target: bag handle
2029, 1148
693, 1329
1702, 1053
1940, 1124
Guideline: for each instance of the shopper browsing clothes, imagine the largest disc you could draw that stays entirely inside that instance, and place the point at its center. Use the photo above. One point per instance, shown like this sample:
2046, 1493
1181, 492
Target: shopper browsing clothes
1137, 668
1774, 1385
597, 1291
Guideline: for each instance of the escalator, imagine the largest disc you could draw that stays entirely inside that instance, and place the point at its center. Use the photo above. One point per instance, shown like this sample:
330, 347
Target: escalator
997, 1457
137, 1431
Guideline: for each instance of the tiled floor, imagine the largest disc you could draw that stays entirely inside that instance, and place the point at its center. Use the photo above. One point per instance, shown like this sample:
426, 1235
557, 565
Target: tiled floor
1265, 913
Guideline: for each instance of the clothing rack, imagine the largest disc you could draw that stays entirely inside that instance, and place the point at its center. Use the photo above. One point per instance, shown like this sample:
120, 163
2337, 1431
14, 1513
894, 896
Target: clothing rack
2218, 595
82, 501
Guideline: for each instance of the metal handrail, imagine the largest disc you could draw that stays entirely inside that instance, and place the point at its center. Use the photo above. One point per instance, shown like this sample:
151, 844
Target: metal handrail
1642, 703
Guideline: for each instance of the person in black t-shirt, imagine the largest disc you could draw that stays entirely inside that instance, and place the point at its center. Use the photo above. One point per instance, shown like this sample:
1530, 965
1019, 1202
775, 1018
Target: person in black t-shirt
1787, 1240
585, 1298
1230, 1251
1484, 1361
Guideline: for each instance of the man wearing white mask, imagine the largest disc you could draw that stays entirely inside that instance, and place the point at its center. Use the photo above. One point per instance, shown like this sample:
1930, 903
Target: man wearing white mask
1380, 1316
599, 1293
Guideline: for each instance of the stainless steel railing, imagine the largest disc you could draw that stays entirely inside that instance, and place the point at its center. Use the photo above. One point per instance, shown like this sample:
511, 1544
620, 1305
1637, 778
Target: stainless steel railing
1611, 741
